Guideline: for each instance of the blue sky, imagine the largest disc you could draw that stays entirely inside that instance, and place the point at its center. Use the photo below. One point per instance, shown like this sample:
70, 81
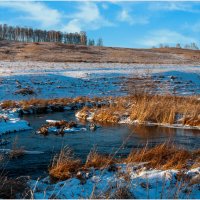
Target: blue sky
123, 24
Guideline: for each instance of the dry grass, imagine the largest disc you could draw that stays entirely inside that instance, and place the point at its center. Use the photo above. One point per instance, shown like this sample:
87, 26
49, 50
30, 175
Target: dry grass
165, 156
8, 104
161, 109
122, 193
13, 188
61, 125
16, 151
98, 161
78, 53
25, 91
42, 105
166, 109
64, 165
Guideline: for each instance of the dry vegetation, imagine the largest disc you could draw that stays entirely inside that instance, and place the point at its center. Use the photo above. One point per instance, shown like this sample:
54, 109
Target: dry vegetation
94, 159
164, 109
61, 125
25, 91
165, 156
76, 53
160, 109
64, 165
14, 188
16, 151
45, 103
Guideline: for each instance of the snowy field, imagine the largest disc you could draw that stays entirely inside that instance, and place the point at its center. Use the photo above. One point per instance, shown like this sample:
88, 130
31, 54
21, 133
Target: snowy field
54, 80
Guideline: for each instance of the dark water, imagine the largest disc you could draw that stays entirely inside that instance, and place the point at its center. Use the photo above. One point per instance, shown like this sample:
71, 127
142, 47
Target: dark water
107, 139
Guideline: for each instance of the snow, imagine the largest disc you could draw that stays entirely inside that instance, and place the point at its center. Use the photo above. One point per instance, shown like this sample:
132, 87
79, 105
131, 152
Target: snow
89, 116
142, 184
24, 151
74, 129
9, 122
56, 80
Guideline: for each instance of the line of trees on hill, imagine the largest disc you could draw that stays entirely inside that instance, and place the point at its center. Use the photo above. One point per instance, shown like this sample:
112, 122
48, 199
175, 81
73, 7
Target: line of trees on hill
25, 34
192, 46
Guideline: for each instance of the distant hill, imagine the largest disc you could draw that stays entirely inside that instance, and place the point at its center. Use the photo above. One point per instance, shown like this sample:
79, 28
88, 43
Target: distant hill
57, 52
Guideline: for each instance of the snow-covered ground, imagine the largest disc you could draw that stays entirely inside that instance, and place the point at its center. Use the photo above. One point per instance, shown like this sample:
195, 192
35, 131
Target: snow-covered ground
9, 122
54, 80
133, 178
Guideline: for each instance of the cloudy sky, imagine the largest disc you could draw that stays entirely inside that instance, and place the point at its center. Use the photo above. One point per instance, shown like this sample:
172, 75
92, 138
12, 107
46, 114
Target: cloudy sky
124, 24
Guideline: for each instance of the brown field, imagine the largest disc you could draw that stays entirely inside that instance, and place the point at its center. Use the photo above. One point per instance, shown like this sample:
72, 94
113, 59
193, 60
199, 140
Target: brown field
57, 52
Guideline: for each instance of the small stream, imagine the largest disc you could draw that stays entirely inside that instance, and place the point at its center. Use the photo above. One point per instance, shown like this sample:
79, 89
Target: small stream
107, 139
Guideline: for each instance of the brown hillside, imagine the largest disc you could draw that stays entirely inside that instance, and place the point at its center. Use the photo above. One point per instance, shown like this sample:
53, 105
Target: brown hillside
56, 52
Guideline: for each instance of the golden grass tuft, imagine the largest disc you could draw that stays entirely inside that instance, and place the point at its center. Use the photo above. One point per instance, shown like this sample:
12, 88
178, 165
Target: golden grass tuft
164, 156
8, 104
64, 165
98, 161
166, 109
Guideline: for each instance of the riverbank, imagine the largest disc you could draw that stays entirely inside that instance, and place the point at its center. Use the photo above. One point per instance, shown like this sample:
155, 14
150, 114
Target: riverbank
164, 171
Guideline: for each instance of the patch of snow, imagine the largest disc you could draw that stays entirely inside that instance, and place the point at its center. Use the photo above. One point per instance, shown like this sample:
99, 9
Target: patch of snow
142, 184
13, 125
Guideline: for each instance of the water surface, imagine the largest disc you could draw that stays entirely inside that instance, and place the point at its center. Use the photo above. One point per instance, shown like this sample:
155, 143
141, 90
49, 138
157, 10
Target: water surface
108, 139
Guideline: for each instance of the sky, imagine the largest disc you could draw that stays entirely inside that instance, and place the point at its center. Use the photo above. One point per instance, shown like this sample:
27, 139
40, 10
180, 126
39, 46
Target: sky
119, 24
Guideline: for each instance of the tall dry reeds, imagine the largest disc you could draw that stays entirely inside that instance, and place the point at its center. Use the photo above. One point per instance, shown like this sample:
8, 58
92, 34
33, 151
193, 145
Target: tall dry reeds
64, 165
165, 156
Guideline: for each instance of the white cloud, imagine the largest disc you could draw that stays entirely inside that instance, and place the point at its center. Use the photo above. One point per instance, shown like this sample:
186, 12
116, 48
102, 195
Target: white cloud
194, 27
173, 6
87, 17
126, 16
165, 36
35, 11
104, 6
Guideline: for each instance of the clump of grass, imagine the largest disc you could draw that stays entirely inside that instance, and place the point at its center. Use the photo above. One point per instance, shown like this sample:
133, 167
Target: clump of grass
16, 151
64, 165
11, 188
164, 156
98, 161
122, 193
25, 91
166, 109
8, 104
61, 125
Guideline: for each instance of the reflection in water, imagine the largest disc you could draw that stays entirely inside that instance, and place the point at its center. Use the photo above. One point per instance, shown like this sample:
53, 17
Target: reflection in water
107, 139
